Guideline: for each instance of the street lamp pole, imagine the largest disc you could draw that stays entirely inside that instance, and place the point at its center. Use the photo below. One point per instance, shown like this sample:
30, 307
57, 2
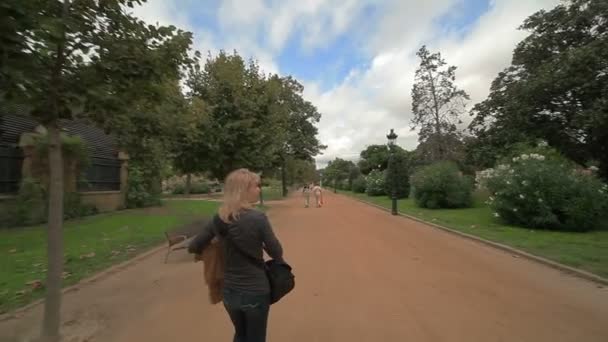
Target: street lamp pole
392, 137
261, 191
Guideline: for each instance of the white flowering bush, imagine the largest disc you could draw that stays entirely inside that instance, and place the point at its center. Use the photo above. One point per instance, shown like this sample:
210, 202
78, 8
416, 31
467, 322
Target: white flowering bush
545, 191
375, 183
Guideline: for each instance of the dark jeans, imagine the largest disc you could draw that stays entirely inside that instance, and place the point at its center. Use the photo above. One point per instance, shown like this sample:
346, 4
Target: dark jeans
249, 314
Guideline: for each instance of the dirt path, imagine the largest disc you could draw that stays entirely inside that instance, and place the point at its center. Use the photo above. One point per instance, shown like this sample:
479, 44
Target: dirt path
362, 275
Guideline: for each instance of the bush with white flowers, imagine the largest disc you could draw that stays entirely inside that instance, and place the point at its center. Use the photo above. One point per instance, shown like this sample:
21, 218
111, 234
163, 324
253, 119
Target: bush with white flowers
375, 183
544, 190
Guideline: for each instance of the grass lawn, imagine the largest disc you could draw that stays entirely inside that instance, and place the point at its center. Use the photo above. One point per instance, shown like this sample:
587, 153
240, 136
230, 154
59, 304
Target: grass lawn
272, 193
587, 251
91, 245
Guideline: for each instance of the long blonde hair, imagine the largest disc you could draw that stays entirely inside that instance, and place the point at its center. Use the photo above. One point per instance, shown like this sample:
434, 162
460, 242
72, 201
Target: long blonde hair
236, 189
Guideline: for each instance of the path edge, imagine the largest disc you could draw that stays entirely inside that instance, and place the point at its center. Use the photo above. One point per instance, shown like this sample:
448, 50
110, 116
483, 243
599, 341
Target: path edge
553, 264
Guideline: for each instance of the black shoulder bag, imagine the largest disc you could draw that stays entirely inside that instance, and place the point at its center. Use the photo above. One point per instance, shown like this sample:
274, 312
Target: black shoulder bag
279, 274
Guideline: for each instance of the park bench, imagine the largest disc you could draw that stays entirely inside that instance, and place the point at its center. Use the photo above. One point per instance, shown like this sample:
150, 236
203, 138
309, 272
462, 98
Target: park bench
177, 238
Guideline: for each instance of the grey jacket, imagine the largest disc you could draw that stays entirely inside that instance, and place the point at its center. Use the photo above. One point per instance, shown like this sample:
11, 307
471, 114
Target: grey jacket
253, 234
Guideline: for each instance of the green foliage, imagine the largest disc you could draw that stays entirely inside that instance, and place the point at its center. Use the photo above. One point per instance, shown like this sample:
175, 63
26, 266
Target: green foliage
74, 208
343, 185
338, 173
28, 208
297, 171
442, 185
73, 148
91, 59
139, 194
546, 93
545, 191
373, 157
299, 119
254, 121
195, 188
374, 183
448, 144
359, 185
397, 176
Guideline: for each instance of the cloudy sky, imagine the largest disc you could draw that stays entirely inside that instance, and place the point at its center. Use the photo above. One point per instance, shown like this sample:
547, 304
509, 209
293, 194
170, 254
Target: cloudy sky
356, 58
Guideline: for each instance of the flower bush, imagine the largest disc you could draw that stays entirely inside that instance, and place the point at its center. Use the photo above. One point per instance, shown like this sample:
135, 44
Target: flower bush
375, 183
544, 190
442, 185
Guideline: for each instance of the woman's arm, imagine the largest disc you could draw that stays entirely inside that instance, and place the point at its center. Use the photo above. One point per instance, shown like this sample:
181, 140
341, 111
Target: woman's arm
202, 239
272, 246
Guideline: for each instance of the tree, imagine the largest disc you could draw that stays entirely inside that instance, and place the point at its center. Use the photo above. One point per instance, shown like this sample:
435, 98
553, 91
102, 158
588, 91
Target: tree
373, 157
299, 171
255, 121
134, 92
187, 159
436, 102
17, 23
556, 87
337, 171
80, 58
376, 157
398, 173
38, 67
353, 174
241, 130
450, 143
299, 117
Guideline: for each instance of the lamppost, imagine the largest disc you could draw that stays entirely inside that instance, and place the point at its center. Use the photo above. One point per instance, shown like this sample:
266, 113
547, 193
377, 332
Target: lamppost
261, 192
392, 137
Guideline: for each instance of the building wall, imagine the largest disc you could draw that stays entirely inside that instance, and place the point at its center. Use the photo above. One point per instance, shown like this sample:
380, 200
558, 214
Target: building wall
34, 166
104, 200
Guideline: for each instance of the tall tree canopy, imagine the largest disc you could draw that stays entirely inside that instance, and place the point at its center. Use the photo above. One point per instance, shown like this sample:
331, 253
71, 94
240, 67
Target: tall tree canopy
254, 120
91, 59
556, 88
437, 103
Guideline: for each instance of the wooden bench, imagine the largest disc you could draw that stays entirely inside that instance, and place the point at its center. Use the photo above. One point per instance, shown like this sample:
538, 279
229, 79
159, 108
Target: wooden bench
176, 240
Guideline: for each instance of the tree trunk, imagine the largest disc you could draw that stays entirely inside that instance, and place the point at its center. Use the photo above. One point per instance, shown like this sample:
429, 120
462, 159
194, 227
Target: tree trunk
188, 184
439, 141
261, 192
283, 178
52, 304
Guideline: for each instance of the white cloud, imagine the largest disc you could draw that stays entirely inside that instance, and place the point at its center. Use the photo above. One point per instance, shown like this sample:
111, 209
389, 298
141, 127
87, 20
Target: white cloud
364, 108
376, 96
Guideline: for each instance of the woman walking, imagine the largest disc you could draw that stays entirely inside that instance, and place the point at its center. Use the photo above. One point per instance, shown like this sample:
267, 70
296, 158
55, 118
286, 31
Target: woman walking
318, 192
306, 193
246, 287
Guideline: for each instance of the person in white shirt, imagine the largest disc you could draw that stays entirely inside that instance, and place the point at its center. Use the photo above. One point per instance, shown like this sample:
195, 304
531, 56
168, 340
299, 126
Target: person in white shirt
306, 193
318, 193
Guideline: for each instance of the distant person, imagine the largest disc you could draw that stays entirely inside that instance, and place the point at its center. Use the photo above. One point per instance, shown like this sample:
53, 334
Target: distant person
246, 289
318, 193
306, 193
